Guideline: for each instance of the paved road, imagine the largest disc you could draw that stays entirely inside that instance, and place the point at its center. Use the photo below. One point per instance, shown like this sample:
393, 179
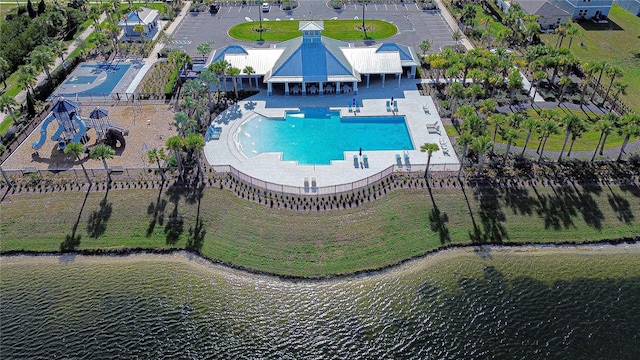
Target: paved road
414, 25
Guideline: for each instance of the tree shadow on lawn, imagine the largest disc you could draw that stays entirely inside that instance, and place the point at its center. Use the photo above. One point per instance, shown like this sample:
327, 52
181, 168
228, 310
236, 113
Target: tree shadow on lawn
71, 241
157, 210
438, 220
620, 206
492, 217
97, 222
174, 227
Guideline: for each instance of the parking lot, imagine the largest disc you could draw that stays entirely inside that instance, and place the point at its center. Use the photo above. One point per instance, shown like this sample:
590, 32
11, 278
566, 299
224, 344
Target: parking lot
414, 25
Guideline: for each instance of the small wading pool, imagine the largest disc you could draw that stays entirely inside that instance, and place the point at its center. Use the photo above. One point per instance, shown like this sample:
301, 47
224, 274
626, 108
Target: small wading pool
316, 136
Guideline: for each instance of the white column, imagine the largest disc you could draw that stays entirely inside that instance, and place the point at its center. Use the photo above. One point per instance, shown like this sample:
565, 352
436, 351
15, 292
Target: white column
269, 89
355, 88
338, 89
321, 88
286, 89
412, 75
304, 88
399, 77
383, 76
368, 78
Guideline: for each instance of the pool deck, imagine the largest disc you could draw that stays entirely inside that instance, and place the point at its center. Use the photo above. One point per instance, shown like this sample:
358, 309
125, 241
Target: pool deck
269, 167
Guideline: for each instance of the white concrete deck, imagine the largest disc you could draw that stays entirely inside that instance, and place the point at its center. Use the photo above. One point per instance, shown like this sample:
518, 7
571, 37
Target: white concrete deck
270, 168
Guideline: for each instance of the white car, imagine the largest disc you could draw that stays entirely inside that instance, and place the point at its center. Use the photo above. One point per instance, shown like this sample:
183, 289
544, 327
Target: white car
266, 7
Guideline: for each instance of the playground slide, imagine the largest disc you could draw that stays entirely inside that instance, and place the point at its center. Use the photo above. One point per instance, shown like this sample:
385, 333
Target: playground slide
43, 132
56, 136
82, 128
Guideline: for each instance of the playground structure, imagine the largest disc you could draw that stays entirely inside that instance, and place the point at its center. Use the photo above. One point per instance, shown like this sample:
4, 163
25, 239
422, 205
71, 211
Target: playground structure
73, 128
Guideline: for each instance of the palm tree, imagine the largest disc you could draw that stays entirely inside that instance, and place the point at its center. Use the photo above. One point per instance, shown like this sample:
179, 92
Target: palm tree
615, 122
456, 36
139, 29
220, 68
481, 145
621, 89
590, 68
77, 149
103, 152
465, 140
7, 104
549, 127
572, 31
234, 72
514, 83
630, 128
499, 120
605, 126
250, 71
510, 135
425, 46
175, 145
562, 32
195, 143
204, 49
208, 78
613, 72
579, 128
27, 77
601, 67
157, 155
4, 68
563, 87
41, 58
429, 148
530, 125
462, 113
456, 90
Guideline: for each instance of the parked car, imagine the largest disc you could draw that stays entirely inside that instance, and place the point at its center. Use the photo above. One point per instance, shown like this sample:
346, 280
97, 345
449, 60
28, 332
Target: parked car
266, 7
213, 8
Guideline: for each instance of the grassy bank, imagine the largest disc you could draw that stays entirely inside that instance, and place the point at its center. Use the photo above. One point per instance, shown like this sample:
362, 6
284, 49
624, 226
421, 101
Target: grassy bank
400, 225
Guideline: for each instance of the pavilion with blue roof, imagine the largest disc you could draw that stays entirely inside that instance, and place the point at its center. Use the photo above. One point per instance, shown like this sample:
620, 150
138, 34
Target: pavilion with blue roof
314, 64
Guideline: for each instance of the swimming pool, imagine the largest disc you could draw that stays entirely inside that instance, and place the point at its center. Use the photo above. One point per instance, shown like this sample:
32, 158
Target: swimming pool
316, 136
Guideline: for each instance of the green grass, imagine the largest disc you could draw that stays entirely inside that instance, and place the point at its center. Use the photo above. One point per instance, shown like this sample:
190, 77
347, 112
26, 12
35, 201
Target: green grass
335, 29
393, 228
617, 46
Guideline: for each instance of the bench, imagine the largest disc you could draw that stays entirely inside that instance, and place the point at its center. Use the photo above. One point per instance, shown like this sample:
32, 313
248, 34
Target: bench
116, 169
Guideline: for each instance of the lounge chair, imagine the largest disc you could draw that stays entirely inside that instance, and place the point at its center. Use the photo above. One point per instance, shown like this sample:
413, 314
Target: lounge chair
395, 105
365, 161
388, 105
426, 109
350, 109
407, 163
356, 162
306, 185
398, 160
314, 185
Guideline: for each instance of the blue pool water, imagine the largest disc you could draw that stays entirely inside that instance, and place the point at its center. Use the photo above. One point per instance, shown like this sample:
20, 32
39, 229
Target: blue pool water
317, 136
108, 76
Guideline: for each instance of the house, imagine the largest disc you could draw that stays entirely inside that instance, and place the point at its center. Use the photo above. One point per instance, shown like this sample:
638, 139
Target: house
146, 17
632, 6
585, 9
314, 64
550, 16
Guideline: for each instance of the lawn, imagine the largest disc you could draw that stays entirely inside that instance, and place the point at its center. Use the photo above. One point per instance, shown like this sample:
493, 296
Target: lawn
398, 226
617, 43
335, 29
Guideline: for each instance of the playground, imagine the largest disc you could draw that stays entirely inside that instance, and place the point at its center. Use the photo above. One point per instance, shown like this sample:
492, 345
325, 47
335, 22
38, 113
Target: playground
147, 127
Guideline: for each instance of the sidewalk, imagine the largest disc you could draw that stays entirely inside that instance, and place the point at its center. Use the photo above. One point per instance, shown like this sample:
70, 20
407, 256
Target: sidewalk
453, 24
22, 96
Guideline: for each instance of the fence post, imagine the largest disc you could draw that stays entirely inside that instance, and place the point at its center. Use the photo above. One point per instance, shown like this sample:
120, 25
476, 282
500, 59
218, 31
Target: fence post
4, 175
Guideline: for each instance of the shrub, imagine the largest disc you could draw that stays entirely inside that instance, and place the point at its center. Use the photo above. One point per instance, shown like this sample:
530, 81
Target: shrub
336, 4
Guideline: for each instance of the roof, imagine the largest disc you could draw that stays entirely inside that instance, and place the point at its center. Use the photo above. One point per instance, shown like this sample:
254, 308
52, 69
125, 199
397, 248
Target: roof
65, 106
408, 56
142, 16
311, 25
542, 8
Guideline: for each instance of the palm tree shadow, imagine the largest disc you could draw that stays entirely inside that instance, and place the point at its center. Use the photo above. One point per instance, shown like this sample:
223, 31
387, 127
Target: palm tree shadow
71, 241
438, 220
620, 206
97, 222
157, 210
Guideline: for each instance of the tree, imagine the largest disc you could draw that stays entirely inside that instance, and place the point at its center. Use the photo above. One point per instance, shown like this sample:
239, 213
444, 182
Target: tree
425, 46
194, 144
204, 49
220, 68
7, 104
4, 69
456, 90
601, 67
530, 125
175, 145
564, 82
562, 32
621, 89
234, 72
364, 27
456, 36
139, 30
41, 58
27, 77
481, 145
510, 135
208, 78
58, 48
30, 10
157, 155
531, 29
514, 82
549, 127
250, 71
464, 140
42, 7
103, 152
499, 120
589, 69
77, 149
630, 127
579, 128
429, 148
605, 126
613, 72
572, 31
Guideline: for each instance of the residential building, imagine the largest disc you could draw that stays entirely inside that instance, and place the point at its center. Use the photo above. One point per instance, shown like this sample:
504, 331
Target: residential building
146, 17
